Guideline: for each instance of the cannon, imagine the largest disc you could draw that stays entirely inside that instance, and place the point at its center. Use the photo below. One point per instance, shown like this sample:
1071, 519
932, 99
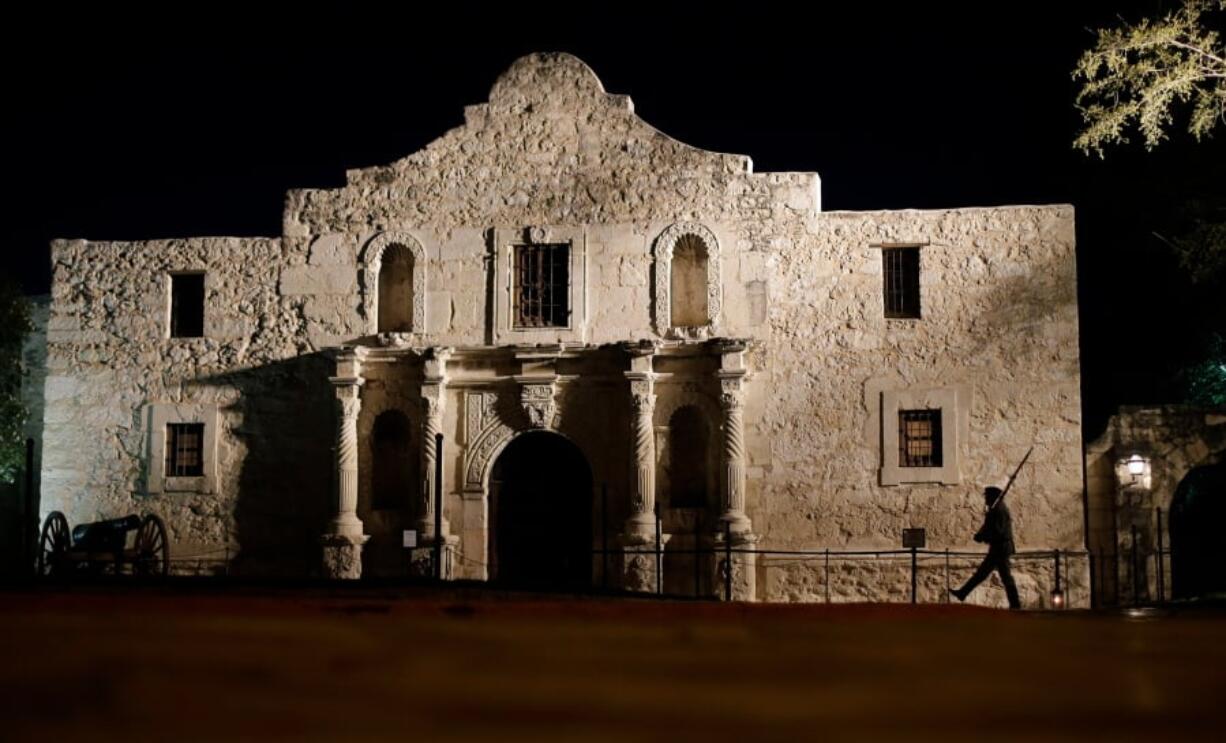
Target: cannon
133, 543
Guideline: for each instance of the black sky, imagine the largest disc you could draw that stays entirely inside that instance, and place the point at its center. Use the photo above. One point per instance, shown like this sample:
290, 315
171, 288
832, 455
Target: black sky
134, 125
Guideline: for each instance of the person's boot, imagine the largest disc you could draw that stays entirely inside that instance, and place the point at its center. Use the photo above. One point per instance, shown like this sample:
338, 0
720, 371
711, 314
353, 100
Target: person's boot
957, 593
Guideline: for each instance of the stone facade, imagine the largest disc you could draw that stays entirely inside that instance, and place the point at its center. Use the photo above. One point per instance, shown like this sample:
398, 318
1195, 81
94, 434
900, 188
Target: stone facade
691, 282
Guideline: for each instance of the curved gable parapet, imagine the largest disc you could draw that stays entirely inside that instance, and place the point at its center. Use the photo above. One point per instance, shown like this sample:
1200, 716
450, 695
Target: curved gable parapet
527, 102
552, 81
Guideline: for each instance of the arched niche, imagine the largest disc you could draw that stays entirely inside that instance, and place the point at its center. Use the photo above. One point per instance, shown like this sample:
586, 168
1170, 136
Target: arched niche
687, 292
394, 284
689, 451
393, 479
700, 407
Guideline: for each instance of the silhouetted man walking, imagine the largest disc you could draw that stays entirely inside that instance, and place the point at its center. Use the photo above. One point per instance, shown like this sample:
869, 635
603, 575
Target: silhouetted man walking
997, 531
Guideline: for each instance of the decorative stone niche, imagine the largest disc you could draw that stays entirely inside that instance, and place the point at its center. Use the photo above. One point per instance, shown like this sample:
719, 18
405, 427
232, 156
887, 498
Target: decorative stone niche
394, 262
687, 293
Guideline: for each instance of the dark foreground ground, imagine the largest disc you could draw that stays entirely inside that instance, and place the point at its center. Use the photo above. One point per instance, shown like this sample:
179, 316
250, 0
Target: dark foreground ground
178, 664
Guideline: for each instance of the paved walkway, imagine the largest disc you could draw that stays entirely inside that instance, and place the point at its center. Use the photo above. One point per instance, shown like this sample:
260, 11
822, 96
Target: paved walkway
131, 664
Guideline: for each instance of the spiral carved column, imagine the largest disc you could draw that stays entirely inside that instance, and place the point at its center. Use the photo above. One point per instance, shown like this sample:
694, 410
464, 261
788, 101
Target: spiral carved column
735, 533
732, 456
431, 425
642, 432
640, 563
343, 540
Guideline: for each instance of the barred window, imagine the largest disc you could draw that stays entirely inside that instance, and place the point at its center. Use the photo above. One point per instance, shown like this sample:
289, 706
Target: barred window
184, 449
541, 289
902, 287
187, 305
919, 438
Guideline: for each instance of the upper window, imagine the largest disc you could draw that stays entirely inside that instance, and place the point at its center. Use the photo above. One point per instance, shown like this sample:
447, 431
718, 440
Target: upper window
919, 438
187, 305
541, 286
184, 449
902, 287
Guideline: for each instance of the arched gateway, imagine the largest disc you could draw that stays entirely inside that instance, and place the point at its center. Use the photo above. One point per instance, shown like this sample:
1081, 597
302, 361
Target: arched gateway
540, 499
1198, 555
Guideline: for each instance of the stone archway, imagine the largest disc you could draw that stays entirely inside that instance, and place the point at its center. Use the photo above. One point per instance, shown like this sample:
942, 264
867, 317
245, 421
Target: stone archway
540, 501
1198, 516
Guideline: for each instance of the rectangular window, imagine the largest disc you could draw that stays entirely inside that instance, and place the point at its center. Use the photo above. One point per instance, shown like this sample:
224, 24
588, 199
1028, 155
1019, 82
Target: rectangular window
187, 305
902, 288
184, 449
919, 438
541, 286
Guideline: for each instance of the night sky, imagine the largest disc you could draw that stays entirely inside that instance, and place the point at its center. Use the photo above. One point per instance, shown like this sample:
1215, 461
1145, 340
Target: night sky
140, 126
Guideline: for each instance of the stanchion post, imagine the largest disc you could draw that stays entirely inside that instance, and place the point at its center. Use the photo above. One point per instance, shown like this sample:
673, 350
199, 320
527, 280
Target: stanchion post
913, 573
659, 550
604, 535
438, 506
727, 561
827, 575
697, 561
1136, 573
1161, 561
947, 575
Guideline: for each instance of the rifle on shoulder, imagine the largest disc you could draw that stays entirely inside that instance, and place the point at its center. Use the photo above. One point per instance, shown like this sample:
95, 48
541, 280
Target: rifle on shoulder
1013, 477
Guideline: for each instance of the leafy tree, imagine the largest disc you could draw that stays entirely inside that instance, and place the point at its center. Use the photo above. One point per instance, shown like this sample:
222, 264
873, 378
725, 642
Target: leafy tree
1206, 380
1139, 73
14, 324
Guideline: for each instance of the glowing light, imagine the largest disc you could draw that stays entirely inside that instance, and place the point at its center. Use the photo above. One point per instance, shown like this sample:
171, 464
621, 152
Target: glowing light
1136, 465
1057, 599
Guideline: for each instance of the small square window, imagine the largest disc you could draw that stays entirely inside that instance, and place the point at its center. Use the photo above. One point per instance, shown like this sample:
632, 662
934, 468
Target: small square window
901, 276
919, 438
541, 286
187, 305
184, 449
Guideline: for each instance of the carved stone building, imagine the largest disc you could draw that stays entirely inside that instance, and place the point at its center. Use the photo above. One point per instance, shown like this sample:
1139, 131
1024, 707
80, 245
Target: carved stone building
602, 323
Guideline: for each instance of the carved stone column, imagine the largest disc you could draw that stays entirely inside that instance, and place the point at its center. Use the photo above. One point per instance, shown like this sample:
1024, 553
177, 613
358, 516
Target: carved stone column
433, 396
638, 541
734, 522
343, 540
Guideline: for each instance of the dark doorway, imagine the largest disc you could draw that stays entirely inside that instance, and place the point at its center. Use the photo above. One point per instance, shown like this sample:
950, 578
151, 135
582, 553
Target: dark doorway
541, 511
1198, 551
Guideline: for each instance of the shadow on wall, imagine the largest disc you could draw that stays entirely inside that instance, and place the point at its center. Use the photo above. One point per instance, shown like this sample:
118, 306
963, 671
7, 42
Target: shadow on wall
1025, 305
286, 427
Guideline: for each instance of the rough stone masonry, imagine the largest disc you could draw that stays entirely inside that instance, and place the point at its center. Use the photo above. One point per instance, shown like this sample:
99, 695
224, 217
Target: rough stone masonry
688, 337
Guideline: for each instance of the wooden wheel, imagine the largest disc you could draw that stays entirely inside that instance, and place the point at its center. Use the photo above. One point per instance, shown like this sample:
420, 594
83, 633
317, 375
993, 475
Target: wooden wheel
52, 545
152, 548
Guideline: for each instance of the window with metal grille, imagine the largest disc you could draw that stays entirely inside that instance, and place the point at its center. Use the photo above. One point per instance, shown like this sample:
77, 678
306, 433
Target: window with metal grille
919, 438
184, 449
902, 288
541, 289
187, 305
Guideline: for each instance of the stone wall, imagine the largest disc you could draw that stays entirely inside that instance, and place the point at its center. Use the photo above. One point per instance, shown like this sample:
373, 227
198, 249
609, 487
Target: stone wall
552, 156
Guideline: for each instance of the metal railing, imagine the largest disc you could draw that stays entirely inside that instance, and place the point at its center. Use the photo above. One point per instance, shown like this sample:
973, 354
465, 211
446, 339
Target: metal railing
847, 575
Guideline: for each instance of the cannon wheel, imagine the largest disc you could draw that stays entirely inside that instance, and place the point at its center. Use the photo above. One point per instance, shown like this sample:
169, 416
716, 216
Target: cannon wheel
52, 544
152, 548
